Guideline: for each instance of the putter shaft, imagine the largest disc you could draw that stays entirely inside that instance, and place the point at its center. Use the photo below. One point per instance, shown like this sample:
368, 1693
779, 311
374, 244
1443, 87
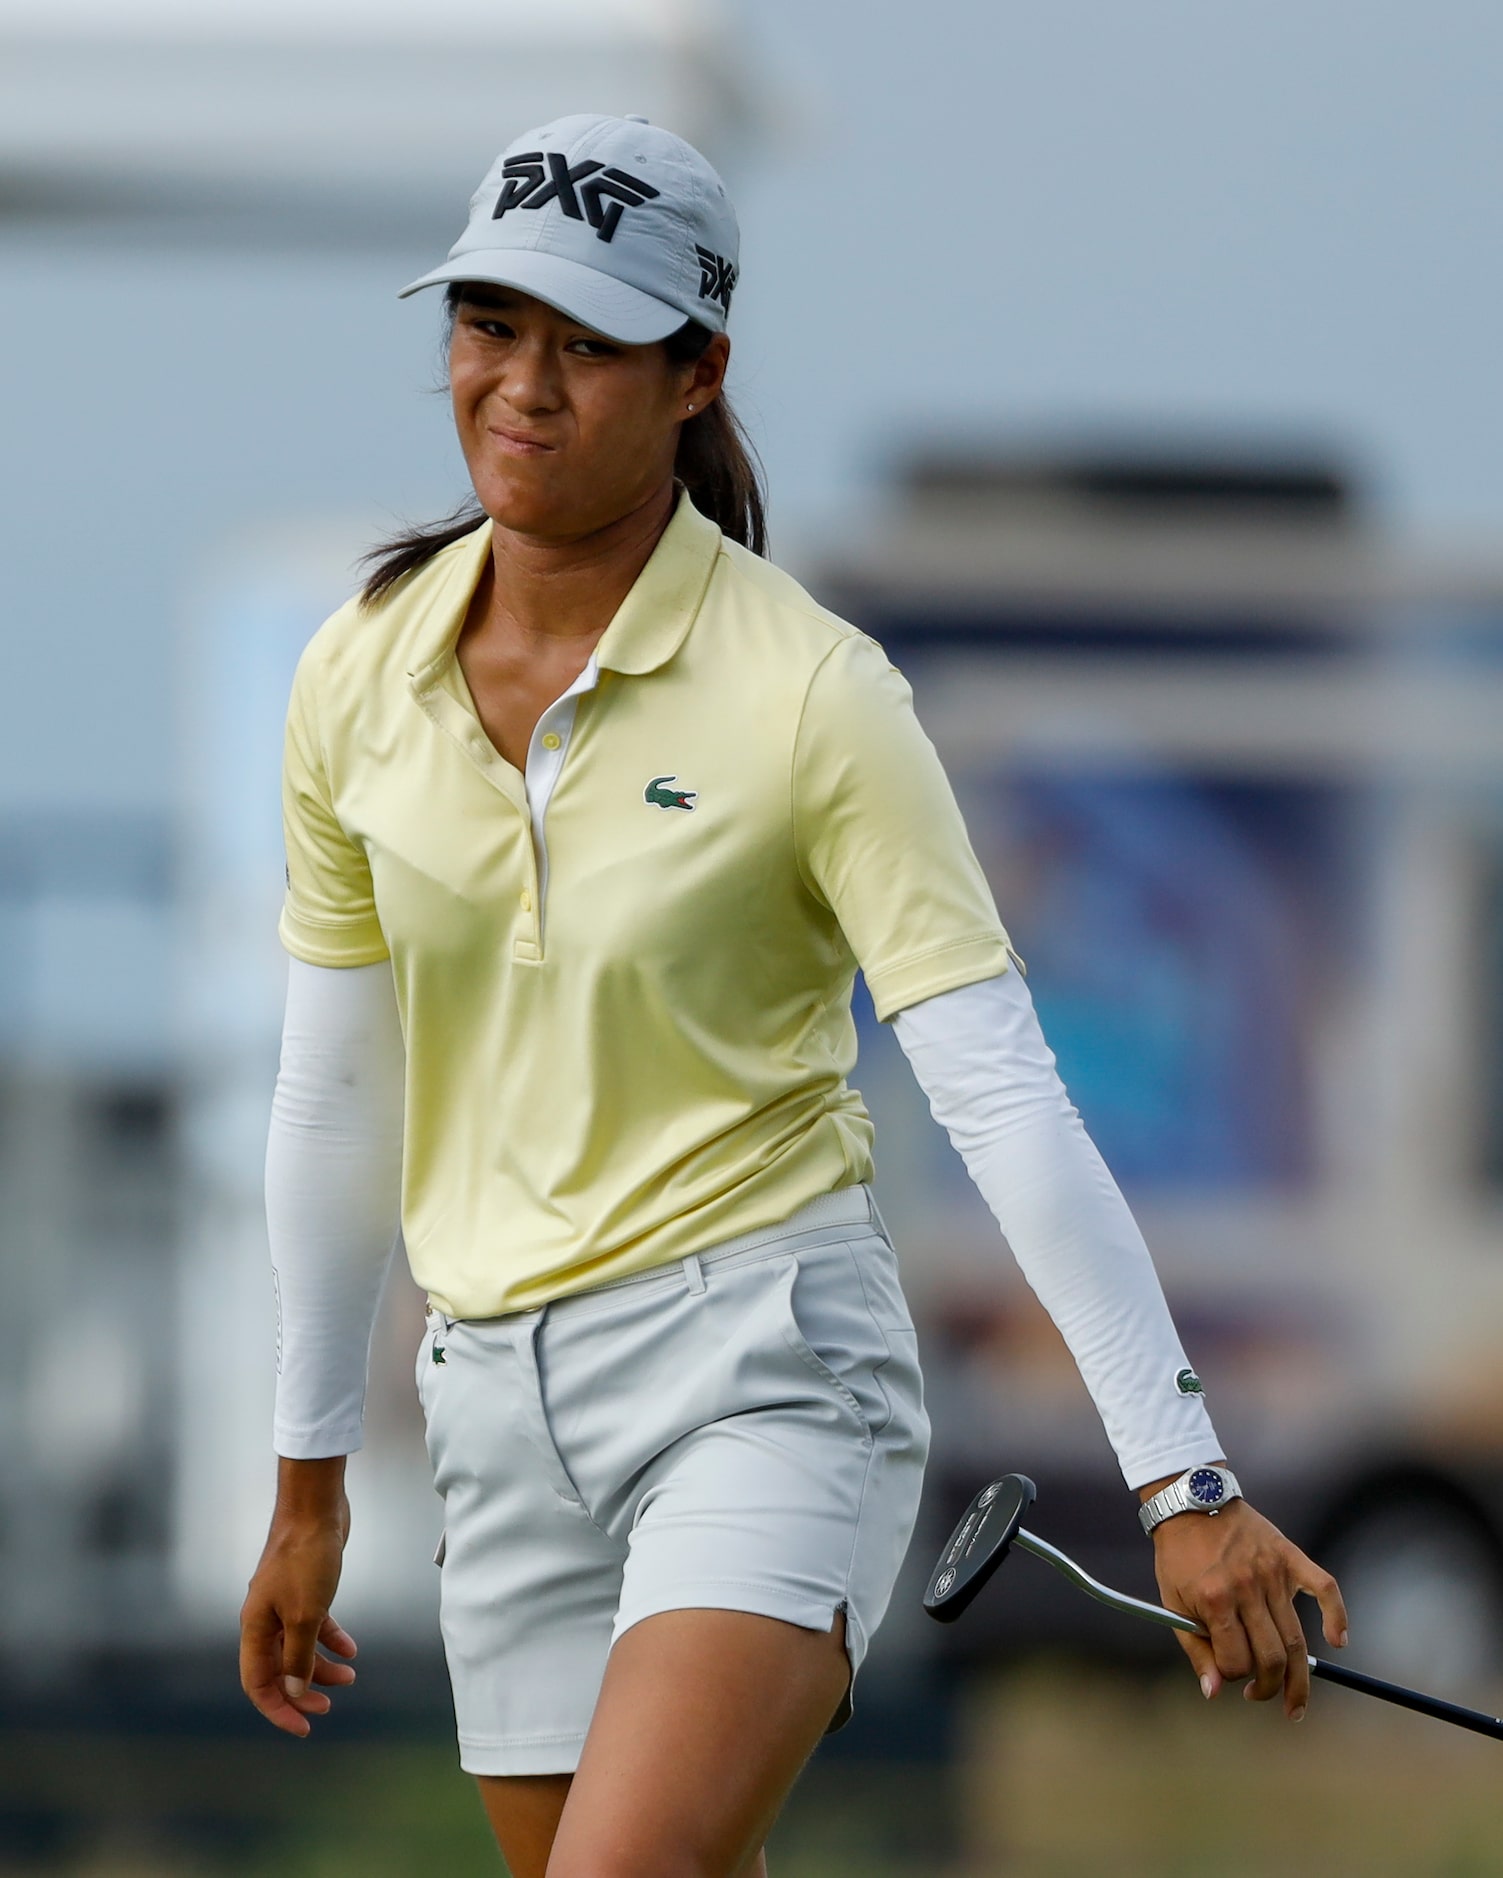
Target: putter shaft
1093, 1587
1393, 1692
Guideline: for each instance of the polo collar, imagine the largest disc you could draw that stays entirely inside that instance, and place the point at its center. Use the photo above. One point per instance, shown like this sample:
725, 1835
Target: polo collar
653, 620
650, 625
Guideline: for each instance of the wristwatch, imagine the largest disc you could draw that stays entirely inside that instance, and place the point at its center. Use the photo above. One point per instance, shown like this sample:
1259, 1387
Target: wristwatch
1198, 1490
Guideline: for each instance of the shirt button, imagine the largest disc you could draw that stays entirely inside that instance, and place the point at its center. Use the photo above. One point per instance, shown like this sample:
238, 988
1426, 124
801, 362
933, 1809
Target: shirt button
526, 899
552, 740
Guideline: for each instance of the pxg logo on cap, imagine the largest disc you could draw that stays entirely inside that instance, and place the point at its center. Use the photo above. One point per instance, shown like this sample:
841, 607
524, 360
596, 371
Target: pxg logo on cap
543, 176
614, 221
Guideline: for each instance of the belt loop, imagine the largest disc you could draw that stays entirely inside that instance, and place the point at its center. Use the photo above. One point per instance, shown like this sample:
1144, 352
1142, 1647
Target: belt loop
695, 1273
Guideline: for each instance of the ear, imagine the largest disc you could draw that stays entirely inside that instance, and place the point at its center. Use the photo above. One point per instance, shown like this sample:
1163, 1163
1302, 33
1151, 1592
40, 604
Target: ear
706, 378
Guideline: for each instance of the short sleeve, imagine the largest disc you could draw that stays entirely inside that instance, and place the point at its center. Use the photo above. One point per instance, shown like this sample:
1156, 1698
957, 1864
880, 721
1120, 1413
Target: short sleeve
329, 916
880, 836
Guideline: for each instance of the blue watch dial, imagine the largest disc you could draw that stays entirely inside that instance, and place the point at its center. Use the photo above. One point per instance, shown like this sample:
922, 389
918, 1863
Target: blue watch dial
1207, 1487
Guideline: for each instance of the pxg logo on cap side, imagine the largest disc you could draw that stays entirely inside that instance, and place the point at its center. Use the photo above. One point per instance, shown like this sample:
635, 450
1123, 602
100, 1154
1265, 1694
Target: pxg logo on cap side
531, 185
717, 276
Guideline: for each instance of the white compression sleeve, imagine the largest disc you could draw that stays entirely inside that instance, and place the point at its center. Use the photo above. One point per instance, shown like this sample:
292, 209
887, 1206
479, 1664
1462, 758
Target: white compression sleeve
333, 1196
981, 1059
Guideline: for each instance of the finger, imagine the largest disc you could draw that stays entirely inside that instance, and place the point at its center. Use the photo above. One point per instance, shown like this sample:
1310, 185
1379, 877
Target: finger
1327, 1593
335, 1637
1269, 1651
264, 1687
1229, 1641
299, 1637
1202, 1661
332, 1675
261, 1672
272, 1702
272, 1694
1297, 1674
1296, 1653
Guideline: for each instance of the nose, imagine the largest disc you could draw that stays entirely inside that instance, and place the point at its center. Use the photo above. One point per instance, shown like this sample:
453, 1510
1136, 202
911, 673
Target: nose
532, 382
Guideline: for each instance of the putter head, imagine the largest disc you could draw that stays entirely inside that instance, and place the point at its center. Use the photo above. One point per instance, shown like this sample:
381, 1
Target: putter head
978, 1545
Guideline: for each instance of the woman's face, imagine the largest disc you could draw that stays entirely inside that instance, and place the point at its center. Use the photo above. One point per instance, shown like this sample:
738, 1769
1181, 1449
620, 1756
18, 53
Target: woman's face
565, 432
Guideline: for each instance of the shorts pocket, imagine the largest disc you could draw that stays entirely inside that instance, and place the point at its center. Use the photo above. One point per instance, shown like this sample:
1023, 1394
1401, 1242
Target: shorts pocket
828, 1325
877, 1269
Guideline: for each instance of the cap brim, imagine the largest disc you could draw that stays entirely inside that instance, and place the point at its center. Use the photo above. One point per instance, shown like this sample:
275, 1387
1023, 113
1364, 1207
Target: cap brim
606, 305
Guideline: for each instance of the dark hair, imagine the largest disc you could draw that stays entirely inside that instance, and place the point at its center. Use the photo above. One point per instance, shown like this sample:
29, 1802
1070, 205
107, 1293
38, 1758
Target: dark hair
715, 463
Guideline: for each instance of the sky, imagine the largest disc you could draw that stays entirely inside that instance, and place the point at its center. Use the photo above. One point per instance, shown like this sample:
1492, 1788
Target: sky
964, 223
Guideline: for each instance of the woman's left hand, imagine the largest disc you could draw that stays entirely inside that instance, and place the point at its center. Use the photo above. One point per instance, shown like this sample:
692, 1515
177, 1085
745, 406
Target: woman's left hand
1238, 1575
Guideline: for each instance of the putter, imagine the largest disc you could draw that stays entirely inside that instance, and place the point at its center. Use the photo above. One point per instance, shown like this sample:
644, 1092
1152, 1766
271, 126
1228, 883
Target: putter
993, 1522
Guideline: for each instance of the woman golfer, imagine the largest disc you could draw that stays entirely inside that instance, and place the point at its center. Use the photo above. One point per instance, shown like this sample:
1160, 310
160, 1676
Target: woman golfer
592, 815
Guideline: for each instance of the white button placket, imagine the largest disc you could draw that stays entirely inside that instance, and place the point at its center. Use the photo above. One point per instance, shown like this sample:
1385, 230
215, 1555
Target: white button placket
545, 763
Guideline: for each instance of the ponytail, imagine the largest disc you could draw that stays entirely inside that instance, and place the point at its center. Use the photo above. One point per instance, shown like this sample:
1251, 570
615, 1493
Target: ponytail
399, 555
715, 463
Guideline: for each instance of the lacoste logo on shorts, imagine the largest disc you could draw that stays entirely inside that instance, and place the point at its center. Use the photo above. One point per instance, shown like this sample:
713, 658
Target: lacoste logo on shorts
1188, 1383
585, 192
658, 795
438, 1354
717, 276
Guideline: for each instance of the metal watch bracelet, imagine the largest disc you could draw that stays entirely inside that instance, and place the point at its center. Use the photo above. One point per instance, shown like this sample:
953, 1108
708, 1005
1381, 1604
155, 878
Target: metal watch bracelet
1203, 1489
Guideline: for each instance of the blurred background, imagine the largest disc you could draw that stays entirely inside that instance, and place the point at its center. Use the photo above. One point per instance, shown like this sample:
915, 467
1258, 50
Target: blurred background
1132, 374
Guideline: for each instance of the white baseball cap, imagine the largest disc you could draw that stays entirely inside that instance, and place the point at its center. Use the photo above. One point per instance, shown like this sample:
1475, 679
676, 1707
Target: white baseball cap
620, 225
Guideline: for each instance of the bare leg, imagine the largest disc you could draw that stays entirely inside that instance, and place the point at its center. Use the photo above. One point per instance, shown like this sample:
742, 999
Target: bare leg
704, 1720
524, 1814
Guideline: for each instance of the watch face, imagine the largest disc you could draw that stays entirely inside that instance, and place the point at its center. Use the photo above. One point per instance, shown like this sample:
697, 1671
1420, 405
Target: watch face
1206, 1486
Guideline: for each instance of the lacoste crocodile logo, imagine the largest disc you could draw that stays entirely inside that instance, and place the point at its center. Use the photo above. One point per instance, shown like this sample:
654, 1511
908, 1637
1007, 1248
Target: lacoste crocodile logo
657, 795
1188, 1383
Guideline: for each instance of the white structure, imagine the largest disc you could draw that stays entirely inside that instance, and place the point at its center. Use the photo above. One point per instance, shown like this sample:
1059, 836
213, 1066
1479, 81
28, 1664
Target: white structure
111, 101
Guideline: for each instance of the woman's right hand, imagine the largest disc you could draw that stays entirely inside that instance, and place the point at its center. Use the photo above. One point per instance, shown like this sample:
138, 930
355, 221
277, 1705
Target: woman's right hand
285, 1616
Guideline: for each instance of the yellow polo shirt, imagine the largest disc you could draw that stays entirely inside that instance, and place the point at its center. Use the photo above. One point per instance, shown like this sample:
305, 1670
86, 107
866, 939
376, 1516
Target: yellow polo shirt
656, 1060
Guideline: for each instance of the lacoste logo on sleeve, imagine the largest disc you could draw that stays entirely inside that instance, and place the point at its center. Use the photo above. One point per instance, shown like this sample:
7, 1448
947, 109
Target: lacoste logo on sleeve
658, 795
1188, 1383
717, 276
585, 192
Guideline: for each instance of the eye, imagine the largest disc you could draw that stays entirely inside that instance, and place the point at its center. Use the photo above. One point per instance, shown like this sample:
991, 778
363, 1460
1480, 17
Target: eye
592, 348
494, 328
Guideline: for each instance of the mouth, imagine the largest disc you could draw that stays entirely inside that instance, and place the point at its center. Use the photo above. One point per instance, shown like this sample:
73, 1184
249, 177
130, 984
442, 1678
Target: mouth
517, 443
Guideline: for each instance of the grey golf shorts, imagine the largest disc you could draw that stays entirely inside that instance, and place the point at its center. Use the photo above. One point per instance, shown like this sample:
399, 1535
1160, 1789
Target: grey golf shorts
741, 1430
